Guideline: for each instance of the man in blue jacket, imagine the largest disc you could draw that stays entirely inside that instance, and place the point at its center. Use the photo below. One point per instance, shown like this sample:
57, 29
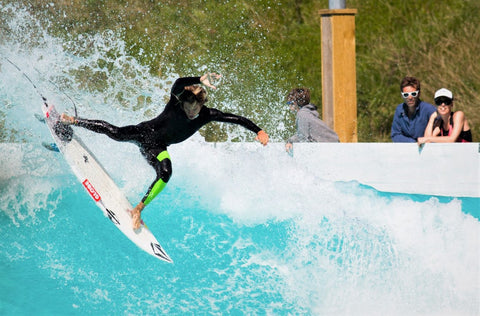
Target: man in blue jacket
411, 117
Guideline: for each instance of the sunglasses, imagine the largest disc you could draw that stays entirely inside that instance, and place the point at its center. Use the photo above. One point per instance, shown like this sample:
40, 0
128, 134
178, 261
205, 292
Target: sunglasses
440, 101
289, 102
407, 94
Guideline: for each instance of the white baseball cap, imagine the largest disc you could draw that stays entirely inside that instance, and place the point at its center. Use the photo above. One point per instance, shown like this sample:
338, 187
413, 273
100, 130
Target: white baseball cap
443, 93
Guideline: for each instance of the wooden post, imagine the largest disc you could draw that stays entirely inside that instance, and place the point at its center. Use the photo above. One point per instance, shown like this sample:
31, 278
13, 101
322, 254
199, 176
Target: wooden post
339, 84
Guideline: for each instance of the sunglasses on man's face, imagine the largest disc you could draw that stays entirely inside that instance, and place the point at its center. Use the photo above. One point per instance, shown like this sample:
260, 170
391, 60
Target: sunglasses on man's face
440, 101
407, 94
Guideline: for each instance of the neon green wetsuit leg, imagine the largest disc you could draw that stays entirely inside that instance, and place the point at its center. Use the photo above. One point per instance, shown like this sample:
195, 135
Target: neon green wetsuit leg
160, 184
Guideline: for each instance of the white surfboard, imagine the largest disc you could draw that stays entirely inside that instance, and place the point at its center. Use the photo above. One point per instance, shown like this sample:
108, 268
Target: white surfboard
100, 186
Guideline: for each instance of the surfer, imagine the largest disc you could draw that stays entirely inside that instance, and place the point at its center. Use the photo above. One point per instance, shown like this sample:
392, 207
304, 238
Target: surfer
184, 114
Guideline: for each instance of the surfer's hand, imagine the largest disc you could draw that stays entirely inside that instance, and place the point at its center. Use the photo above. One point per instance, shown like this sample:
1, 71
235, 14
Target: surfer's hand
262, 137
208, 79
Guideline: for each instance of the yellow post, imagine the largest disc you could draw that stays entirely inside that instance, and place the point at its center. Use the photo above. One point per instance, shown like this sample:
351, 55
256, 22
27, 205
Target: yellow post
339, 84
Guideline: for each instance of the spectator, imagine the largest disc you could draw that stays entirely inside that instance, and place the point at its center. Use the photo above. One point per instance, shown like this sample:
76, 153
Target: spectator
411, 116
444, 125
310, 128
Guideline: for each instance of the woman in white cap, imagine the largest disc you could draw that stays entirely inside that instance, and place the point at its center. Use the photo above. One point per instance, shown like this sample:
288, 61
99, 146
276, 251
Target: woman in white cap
446, 126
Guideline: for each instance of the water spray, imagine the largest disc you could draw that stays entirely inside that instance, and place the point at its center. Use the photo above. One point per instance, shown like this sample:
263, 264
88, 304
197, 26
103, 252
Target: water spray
44, 99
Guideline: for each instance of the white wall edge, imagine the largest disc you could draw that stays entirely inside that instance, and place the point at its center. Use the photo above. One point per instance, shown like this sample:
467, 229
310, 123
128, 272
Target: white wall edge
437, 169
451, 169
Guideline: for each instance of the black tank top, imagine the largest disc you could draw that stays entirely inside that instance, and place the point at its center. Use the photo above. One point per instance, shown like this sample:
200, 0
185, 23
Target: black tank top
464, 135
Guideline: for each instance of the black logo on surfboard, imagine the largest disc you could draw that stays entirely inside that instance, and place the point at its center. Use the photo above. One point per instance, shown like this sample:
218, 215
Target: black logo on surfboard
158, 251
111, 215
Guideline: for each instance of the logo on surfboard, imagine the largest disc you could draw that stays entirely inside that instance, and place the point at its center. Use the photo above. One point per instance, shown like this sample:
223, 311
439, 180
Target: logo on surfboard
111, 215
93, 193
158, 251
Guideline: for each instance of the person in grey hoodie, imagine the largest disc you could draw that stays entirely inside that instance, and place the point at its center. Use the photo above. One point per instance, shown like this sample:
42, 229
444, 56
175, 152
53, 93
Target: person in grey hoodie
310, 128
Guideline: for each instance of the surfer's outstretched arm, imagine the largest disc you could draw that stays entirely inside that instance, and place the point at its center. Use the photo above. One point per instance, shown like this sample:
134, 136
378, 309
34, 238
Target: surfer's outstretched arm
219, 116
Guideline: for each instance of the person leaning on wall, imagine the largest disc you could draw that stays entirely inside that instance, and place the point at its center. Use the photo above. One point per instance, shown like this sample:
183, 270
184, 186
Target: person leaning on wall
411, 117
446, 126
310, 128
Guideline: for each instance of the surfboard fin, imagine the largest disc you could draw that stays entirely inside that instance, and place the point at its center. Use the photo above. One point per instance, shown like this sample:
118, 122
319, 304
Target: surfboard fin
51, 146
39, 117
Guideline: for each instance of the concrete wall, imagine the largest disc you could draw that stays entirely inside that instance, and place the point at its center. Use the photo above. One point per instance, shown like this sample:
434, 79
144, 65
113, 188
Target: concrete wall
437, 169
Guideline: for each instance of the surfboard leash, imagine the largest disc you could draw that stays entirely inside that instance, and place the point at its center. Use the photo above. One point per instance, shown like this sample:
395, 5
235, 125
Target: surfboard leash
28, 78
63, 92
44, 99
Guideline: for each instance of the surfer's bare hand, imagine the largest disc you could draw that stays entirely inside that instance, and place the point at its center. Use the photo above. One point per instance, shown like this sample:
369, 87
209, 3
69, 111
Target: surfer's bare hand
208, 79
262, 137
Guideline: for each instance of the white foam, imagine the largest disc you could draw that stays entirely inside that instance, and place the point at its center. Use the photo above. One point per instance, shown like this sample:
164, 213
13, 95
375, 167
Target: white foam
348, 246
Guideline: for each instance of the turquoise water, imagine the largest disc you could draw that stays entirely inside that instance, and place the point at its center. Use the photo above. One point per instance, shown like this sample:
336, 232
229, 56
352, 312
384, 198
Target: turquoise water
357, 250
248, 234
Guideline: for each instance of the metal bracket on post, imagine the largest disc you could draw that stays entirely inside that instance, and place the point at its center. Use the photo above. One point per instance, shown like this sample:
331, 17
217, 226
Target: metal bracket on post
336, 4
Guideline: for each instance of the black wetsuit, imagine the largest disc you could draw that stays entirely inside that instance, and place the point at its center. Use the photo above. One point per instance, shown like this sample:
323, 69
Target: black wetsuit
170, 127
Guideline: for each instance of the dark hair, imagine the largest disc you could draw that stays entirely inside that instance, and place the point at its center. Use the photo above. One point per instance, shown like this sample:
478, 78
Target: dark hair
438, 122
194, 93
410, 81
300, 95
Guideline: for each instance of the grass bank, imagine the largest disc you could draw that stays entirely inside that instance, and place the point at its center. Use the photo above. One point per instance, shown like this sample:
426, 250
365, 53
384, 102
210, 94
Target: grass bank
266, 47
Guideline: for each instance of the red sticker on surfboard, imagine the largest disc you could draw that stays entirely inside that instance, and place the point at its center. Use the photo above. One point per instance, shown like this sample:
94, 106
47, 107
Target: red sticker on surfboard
93, 193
